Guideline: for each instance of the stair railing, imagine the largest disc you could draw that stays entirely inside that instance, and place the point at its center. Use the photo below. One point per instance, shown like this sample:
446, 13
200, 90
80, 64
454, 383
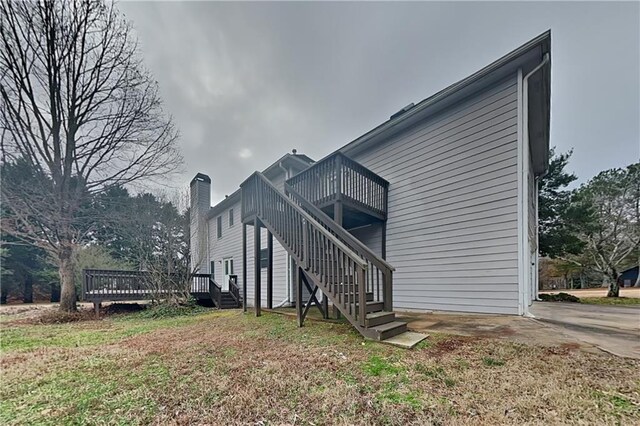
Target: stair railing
339, 271
215, 291
234, 289
379, 276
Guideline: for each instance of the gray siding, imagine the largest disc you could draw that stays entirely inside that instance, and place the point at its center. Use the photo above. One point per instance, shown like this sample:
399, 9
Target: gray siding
452, 226
371, 236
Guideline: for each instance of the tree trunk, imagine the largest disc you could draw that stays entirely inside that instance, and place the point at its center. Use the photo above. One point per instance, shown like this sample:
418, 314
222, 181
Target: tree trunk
4, 292
68, 290
55, 292
27, 292
614, 287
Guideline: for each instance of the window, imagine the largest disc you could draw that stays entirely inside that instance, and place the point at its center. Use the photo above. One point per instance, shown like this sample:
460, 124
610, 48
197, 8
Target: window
219, 226
230, 218
264, 258
212, 266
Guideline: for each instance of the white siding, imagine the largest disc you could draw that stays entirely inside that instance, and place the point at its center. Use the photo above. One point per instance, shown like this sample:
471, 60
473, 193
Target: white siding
230, 245
452, 225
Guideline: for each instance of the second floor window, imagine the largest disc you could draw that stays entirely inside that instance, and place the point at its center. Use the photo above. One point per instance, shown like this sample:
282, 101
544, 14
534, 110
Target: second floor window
219, 227
230, 218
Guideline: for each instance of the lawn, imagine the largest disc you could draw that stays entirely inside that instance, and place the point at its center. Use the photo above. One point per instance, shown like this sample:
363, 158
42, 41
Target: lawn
610, 300
232, 368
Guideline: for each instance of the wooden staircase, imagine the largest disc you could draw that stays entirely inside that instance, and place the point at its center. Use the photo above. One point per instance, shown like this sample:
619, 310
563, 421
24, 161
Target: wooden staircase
356, 281
204, 287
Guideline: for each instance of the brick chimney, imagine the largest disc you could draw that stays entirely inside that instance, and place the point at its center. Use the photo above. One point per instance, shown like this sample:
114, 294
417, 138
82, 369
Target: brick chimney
199, 203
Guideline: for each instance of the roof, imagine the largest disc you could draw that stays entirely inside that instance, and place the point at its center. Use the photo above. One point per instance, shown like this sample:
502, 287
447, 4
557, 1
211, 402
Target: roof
299, 161
526, 57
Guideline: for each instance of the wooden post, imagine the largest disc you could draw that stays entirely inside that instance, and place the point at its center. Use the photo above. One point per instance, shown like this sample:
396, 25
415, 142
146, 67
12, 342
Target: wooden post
256, 266
325, 306
244, 267
298, 287
337, 217
362, 296
96, 307
384, 239
269, 270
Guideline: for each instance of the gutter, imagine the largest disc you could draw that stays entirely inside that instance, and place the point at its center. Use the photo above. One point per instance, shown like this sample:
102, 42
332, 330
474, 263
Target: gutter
525, 261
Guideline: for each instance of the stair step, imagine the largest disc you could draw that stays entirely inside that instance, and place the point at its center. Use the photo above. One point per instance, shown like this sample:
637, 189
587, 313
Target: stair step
390, 329
379, 318
374, 306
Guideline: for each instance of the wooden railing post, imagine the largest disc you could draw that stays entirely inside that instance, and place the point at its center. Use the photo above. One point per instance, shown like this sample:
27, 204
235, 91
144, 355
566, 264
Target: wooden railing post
362, 295
387, 282
305, 245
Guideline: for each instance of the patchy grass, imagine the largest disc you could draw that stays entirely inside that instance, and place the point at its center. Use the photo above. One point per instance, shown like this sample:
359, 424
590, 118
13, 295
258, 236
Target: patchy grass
611, 300
230, 368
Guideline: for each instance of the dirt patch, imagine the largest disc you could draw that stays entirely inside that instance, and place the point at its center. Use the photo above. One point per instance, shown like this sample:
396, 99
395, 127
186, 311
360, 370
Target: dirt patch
122, 308
559, 297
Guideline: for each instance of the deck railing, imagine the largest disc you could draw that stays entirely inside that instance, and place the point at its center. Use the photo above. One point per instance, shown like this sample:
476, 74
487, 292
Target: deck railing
338, 177
338, 269
200, 283
102, 284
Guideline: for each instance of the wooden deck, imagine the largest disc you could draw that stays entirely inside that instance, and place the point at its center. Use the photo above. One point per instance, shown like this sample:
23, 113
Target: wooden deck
115, 285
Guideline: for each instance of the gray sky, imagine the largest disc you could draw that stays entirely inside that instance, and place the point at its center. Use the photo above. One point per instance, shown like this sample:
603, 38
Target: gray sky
247, 82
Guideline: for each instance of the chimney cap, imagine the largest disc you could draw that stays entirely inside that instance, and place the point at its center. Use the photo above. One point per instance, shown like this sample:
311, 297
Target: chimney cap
201, 177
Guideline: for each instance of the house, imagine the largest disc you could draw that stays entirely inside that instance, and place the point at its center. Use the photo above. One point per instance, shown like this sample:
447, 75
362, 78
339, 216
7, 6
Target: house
628, 277
434, 209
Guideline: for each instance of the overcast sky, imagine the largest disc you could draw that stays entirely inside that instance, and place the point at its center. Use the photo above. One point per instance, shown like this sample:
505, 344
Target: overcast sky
247, 82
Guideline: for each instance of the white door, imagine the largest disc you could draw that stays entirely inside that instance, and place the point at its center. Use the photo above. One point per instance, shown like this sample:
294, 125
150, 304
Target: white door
228, 270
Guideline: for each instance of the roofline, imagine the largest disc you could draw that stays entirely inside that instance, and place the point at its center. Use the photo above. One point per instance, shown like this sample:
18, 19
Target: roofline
446, 92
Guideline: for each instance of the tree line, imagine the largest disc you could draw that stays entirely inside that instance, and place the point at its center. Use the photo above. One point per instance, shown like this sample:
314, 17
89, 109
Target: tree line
80, 119
592, 230
125, 231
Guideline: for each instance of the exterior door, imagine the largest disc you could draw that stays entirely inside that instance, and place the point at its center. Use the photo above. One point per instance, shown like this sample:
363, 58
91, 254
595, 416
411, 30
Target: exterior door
228, 270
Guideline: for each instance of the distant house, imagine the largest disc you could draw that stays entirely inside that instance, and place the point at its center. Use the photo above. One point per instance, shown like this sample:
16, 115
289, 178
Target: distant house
434, 209
629, 277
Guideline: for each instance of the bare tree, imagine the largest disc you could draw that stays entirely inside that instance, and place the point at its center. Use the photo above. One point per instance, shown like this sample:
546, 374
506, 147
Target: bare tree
81, 110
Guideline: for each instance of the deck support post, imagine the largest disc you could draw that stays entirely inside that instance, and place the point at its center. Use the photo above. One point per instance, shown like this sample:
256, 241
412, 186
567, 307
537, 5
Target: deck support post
298, 287
96, 308
256, 266
244, 267
325, 306
269, 270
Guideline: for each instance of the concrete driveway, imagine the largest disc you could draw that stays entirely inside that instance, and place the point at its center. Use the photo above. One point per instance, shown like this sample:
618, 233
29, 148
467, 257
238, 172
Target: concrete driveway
615, 329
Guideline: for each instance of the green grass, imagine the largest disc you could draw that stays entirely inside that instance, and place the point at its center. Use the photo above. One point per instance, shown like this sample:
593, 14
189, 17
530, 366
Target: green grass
216, 367
85, 333
610, 300
378, 366
492, 362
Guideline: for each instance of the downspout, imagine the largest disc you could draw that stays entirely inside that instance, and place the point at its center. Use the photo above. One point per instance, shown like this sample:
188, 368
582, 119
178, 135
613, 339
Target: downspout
524, 208
288, 299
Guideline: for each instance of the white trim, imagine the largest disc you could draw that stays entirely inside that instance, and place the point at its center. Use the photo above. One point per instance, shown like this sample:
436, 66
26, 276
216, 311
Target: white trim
519, 168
